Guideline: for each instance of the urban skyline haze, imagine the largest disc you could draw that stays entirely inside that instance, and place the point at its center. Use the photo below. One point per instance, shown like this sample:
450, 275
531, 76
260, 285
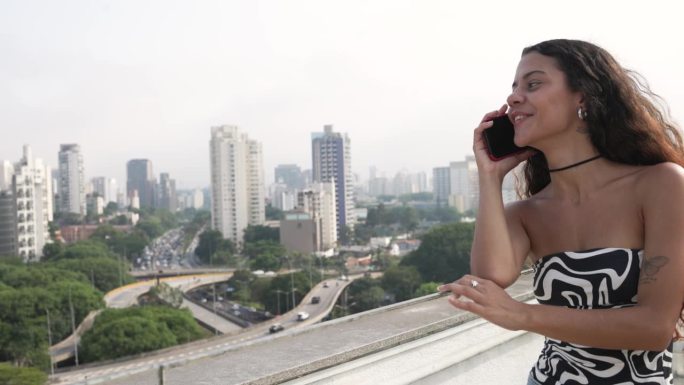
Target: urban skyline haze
406, 80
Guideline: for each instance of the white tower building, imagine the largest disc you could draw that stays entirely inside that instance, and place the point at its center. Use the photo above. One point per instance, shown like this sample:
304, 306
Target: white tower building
320, 203
106, 188
331, 155
71, 180
464, 184
33, 192
237, 182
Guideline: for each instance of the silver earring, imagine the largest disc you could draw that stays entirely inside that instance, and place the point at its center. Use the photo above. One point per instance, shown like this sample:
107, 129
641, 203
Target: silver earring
582, 113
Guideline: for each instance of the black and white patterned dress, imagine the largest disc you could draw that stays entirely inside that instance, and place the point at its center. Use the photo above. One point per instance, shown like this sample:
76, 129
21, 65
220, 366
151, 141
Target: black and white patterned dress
594, 279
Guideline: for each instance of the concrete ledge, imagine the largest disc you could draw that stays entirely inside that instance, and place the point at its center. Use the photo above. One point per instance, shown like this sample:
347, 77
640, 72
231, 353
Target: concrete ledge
449, 355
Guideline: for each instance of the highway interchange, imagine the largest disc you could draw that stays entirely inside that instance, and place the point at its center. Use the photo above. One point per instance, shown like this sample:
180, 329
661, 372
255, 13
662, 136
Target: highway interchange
125, 296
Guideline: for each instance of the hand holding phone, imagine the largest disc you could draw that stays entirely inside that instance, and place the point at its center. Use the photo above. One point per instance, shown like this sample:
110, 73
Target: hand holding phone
499, 139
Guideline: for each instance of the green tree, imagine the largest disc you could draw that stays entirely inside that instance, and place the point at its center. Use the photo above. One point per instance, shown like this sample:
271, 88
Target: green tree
210, 243
265, 255
444, 253
53, 250
365, 294
408, 217
241, 284
111, 209
124, 337
151, 227
12, 375
120, 220
85, 249
402, 281
129, 244
124, 332
167, 219
103, 273
267, 262
261, 233
26, 296
281, 287
23, 339
426, 289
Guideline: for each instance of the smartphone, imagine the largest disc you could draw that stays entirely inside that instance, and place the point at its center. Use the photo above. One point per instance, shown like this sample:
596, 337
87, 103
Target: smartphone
499, 139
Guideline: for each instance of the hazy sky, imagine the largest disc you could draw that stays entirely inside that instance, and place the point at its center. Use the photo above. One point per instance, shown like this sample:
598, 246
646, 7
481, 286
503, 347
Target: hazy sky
406, 80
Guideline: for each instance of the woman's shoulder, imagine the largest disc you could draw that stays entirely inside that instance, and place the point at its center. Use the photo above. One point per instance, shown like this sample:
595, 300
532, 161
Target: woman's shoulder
659, 178
661, 172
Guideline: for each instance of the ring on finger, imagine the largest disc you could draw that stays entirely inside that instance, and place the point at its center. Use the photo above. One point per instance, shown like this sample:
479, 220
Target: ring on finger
474, 283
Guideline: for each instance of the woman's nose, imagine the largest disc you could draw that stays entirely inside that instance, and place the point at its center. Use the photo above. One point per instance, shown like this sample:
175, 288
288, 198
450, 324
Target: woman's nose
514, 98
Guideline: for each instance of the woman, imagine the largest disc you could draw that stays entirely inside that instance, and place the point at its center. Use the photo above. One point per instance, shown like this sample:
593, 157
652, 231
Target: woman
601, 220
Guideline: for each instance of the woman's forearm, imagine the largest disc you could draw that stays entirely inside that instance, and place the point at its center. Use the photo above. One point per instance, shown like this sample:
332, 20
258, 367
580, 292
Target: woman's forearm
492, 254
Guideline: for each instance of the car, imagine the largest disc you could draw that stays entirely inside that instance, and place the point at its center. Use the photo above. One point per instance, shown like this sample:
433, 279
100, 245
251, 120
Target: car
302, 315
315, 299
325, 284
275, 328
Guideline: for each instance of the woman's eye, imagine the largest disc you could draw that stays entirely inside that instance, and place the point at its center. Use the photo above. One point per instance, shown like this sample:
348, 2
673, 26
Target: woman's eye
533, 84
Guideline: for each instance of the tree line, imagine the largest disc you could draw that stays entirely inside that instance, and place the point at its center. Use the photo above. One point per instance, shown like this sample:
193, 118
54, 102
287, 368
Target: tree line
443, 256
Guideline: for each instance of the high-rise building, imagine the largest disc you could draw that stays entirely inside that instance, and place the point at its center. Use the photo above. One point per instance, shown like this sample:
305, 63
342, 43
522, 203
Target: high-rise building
441, 185
167, 193
140, 178
8, 223
378, 186
237, 182
95, 204
464, 191
282, 197
6, 171
331, 155
320, 203
106, 188
32, 189
290, 175
71, 191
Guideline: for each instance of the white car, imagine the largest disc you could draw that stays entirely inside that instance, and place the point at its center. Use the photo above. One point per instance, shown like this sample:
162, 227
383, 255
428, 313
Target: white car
302, 315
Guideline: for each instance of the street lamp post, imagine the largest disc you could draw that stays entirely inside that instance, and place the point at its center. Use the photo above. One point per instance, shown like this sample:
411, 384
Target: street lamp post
214, 305
320, 259
289, 263
278, 291
73, 327
52, 363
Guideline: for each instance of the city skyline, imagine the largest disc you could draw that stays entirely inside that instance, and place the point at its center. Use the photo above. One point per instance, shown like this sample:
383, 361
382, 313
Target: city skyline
406, 81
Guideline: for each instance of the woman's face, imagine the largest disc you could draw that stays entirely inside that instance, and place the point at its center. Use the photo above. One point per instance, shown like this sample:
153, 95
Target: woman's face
542, 107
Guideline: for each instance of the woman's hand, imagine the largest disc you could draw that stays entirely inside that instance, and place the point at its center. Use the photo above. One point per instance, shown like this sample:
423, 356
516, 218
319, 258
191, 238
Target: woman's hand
486, 299
484, 163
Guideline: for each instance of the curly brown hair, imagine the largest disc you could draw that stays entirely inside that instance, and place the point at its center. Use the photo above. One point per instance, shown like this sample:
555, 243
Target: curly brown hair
626, 121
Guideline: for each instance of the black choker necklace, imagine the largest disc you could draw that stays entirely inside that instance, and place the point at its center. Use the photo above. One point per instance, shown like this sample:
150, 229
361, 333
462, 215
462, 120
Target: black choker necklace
575, 164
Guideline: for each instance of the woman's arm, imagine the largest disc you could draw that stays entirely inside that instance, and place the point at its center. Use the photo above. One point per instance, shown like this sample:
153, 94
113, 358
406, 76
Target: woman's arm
500, 244
646, 326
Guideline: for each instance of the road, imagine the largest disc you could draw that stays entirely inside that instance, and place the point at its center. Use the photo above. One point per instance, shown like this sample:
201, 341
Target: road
208, 347
126, 296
